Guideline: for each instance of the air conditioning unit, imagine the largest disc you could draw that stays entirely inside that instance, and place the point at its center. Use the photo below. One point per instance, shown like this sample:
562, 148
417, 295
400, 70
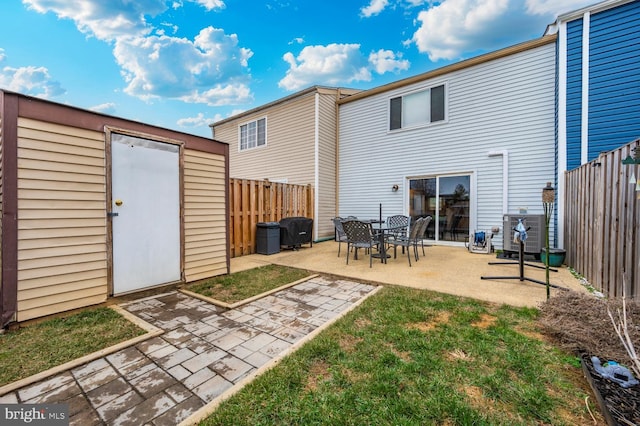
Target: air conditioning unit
535, 235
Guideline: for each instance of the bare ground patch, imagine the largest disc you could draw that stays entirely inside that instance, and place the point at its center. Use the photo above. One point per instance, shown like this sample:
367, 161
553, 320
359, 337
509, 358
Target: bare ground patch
485, 321
348, 343
441, 318
318, 373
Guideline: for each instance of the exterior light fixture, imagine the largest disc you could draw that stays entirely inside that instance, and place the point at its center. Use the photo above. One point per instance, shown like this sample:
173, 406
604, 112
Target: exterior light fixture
394, 188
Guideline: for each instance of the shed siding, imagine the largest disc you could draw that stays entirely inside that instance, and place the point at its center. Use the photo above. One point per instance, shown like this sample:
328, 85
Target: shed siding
505, 104
62, 251
1, 213
614, 78
289, 152
574, 93
1, 198
204, 215
326, 191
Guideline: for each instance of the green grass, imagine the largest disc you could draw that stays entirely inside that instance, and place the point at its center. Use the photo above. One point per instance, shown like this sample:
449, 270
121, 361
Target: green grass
38, 347
411, 357
245, 284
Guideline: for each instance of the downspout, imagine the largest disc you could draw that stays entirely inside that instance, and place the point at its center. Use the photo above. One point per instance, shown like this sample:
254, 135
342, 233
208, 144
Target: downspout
316, 183
337, 153
505, 177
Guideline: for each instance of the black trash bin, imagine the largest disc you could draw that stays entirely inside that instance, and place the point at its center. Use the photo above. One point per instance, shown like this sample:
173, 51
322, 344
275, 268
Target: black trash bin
268, 238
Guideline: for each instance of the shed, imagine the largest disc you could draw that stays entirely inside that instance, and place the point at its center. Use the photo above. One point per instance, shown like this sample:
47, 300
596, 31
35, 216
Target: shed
95, 206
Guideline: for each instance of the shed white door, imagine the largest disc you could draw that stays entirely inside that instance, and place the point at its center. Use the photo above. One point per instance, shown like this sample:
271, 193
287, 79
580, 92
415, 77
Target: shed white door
145, 192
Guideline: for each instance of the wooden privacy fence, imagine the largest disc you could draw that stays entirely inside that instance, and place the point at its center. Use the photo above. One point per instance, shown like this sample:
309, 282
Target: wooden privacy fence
602, 240
254, 201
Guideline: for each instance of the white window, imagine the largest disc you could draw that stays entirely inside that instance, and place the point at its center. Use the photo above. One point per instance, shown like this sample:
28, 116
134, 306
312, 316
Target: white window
253, 134
417, 108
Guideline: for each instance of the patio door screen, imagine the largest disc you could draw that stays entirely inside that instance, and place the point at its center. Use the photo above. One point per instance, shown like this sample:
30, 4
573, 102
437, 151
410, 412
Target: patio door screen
446, 200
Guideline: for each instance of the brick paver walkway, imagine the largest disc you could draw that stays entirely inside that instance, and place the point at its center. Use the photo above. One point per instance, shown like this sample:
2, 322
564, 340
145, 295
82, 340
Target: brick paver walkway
204, 351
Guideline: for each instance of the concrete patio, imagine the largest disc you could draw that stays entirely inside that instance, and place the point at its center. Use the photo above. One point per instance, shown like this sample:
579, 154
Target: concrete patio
446, 269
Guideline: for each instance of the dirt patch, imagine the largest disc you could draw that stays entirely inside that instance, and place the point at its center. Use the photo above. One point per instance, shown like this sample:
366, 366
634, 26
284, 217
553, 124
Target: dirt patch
485, 321
479, 401
354, 377
348, 343
441, 318
474, 393
362, 323
532, 334
318, 373
458, 355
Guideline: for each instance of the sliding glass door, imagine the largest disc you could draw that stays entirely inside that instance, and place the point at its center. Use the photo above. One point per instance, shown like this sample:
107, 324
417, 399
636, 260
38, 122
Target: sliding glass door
446, 200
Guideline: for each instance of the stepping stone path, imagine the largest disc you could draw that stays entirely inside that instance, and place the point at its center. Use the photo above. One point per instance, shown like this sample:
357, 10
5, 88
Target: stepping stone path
204, 351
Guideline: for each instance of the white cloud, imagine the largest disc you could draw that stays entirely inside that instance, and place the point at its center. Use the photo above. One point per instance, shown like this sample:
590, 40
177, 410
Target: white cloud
374, 8
197, 121
105, 20
211, 4
387, 61
556, 7
34, 81
455, 26
210, 69
106, 108
219, 95
329, 65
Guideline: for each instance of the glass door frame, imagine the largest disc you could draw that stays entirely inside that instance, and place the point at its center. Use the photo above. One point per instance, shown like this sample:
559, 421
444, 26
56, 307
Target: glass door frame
472, 201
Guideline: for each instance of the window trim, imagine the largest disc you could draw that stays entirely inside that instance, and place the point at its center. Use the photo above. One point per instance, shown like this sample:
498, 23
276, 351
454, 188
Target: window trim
247, 123
420, 89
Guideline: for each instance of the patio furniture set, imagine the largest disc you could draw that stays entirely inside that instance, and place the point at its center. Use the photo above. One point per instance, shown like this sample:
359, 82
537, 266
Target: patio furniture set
369, 234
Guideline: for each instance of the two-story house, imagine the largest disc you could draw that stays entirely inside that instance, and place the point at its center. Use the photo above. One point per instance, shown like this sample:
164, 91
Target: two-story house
291, 140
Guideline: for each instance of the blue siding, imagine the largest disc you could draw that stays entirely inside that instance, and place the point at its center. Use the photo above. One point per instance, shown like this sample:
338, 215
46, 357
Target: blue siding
556, 137
574, 93
614, 78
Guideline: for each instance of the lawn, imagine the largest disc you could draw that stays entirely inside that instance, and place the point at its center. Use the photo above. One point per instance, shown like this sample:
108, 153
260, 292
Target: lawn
403, 357
242, 285
412, 357
38, 347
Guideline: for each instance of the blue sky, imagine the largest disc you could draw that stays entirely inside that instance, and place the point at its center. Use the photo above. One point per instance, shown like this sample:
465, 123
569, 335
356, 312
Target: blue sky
183, 64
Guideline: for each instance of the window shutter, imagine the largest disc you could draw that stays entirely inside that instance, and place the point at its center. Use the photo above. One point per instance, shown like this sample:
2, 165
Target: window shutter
395, 115
437, 103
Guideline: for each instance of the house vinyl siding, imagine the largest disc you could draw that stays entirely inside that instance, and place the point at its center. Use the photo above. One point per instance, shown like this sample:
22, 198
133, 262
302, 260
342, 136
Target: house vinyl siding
502, 105
289, 151
326, 191
204, 215
604, 43
614, 78
300, 147
62, 232
574, 94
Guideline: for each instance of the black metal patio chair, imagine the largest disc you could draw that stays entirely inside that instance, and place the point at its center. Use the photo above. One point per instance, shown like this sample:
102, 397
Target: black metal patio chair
410, 241
359, 235
341, 237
